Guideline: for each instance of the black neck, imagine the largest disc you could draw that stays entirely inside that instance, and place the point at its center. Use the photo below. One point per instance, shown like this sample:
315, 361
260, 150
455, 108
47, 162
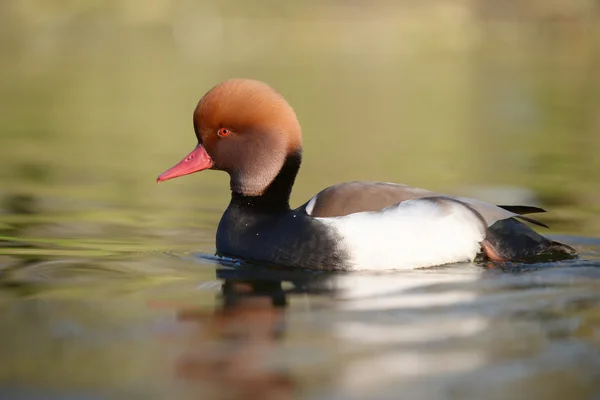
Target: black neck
277, 196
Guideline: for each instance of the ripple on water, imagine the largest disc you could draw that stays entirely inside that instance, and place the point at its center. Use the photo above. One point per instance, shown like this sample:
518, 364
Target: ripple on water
459, 331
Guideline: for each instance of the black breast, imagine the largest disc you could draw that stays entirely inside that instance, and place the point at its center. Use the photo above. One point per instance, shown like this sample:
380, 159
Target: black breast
287, 239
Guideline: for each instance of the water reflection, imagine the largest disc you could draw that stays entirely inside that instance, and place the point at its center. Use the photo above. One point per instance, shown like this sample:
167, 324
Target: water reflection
249, 322
452, 332
386, 333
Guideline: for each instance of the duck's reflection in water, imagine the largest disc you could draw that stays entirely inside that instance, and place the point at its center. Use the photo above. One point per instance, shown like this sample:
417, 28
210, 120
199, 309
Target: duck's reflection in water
234, 348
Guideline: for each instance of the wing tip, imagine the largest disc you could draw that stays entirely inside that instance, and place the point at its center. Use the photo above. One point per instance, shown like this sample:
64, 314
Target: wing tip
532, 221
517, 209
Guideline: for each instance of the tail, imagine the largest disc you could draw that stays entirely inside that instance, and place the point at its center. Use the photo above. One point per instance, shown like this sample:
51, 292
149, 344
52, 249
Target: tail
512, 240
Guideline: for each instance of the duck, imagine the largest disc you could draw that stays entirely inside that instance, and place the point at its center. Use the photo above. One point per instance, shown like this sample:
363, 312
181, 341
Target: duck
247, 129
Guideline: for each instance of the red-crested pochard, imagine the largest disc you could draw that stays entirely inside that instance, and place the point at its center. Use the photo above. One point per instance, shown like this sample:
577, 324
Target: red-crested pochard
247, 129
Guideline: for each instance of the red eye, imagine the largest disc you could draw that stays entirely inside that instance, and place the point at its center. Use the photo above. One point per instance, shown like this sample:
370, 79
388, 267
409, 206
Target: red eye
223, 132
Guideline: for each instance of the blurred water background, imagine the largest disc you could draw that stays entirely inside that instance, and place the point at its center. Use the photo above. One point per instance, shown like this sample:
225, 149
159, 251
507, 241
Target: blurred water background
103, 293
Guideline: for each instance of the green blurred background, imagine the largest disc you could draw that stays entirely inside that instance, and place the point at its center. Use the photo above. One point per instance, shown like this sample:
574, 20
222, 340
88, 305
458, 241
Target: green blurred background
499, 100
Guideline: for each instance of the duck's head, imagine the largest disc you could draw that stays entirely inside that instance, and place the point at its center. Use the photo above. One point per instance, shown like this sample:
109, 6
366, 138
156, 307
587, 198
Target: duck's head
243, 127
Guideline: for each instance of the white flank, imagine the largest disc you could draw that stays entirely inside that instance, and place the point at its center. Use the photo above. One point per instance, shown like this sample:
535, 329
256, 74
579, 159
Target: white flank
412, 234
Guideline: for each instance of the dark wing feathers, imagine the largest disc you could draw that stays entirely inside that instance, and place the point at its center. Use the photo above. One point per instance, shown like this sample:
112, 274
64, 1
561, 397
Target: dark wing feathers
521, 210
533, 221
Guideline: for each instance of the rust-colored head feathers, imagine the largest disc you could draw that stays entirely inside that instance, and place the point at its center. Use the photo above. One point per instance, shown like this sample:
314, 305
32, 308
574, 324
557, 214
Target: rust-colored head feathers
245, 128
246, 106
